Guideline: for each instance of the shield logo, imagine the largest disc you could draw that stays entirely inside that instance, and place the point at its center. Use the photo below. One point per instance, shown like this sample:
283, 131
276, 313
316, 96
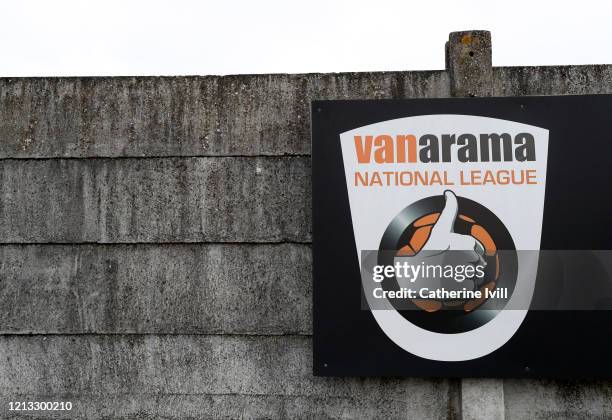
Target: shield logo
439, 187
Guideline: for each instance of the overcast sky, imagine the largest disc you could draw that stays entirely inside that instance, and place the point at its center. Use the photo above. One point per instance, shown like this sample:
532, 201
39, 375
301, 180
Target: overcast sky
179, 37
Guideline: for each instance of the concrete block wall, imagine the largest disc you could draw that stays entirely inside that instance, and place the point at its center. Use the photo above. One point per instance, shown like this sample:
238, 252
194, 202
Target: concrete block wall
144, 222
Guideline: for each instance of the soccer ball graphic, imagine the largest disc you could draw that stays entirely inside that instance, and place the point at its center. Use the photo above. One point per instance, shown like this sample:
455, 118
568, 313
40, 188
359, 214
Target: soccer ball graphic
416, 235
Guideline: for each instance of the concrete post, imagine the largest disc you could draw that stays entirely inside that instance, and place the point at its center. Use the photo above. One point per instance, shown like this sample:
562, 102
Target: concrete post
482, 399
469, 63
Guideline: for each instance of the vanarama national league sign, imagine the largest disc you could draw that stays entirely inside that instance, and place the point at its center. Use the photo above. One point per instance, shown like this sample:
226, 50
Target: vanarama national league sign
497, 166
428, 236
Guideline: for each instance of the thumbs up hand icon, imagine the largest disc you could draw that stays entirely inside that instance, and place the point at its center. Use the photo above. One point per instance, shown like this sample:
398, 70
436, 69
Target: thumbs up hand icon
443, 238
443, 248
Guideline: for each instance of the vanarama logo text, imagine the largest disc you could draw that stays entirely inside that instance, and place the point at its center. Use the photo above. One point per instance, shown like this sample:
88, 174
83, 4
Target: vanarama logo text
509, 155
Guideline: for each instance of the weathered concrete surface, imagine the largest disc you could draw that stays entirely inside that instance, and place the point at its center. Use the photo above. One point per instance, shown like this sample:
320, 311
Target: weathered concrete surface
468, 62
155, 200
220, 116
104, 367
196, 407
482, 399
183, 116
197, 288
561, 80
553, 400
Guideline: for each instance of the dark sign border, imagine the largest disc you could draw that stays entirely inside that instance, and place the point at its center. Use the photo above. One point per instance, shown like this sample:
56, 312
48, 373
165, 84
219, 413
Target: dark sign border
549, 344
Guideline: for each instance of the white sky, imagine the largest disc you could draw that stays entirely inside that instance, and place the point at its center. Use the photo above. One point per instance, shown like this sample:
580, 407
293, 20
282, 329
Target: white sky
154, 37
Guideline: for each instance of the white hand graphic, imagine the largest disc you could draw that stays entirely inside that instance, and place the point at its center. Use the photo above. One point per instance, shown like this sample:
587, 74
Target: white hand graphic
445, 248
443, 238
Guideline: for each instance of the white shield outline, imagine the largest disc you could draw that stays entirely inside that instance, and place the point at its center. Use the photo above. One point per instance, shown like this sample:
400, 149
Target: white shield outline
519, 207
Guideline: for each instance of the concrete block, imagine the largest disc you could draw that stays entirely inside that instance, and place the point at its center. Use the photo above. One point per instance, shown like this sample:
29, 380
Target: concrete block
108, 368
182, 407
171, 288
229, 406
483, 399
469, 63
558, 80
182, 116
547, 399
155, 200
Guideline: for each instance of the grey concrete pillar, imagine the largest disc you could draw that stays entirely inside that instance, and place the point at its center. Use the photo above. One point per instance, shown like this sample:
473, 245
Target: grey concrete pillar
469, 63
482, 399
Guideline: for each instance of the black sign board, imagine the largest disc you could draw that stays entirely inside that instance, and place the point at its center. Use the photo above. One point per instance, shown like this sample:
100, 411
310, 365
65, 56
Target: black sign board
509, 195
